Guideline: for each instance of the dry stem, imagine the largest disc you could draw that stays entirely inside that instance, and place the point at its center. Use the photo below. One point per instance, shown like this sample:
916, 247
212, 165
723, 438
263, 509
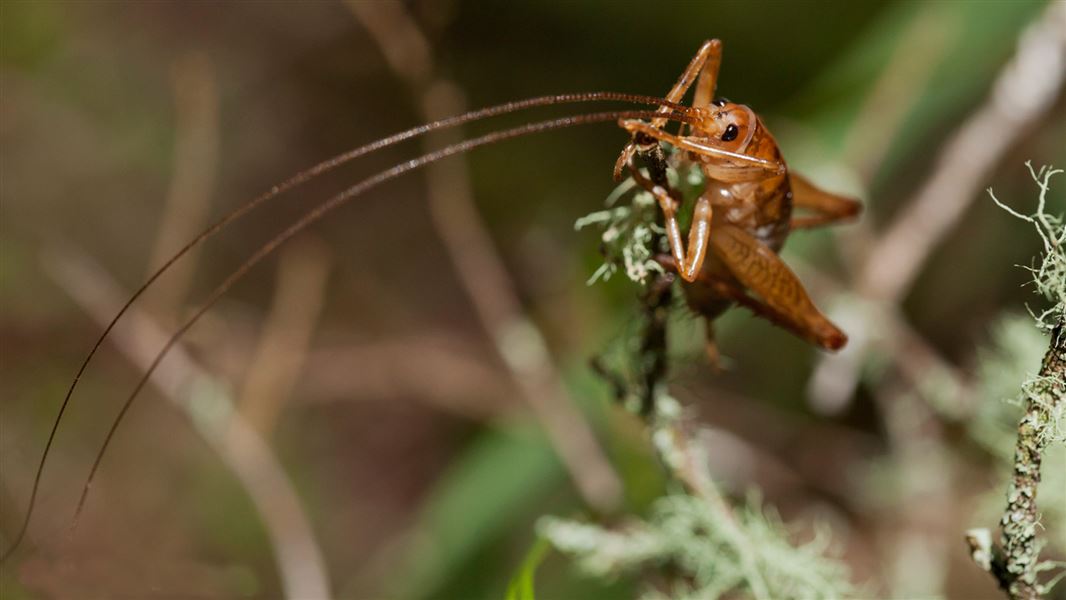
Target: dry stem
204, 399
480, 269
1022, 93
283, 346
188, 201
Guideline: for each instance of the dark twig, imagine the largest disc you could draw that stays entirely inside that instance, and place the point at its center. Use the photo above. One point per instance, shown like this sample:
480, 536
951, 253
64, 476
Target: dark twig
655, 303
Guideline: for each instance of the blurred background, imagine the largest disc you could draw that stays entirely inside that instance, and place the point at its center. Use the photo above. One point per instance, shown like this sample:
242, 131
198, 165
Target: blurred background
386, 406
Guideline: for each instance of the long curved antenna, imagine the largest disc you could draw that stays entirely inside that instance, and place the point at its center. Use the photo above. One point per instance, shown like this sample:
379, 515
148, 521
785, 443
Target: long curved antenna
318, 212
288, 184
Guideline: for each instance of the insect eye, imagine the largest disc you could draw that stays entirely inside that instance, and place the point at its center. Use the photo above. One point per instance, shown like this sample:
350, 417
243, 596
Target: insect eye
730, 133
719, 102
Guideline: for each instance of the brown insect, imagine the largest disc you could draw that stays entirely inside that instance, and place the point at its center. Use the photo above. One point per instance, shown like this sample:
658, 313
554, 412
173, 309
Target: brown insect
749, 187
743, 216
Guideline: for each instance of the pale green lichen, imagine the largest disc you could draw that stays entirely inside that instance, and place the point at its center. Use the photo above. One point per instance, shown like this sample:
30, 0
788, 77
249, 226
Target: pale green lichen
701, 546
684, 536
1049, 277
628, 234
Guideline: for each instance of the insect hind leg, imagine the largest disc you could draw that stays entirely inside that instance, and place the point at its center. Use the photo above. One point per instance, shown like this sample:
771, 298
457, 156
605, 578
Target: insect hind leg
782, 298
827, 208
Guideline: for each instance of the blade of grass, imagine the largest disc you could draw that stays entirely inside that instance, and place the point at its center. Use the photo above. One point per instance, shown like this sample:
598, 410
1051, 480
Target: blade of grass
521, 586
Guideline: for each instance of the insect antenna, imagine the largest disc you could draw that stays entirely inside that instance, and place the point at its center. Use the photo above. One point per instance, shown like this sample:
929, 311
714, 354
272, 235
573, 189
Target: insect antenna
680, 114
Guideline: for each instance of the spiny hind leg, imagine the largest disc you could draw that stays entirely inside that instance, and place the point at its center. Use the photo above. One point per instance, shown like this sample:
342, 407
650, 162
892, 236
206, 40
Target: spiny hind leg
689, 260
827, 208
731, 292
783, 298
756, 306
704, 67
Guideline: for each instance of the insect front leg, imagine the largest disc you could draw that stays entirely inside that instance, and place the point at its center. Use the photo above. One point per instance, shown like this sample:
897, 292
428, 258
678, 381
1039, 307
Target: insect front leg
827, 208
708, 79
704, 67
689, 260
783, 298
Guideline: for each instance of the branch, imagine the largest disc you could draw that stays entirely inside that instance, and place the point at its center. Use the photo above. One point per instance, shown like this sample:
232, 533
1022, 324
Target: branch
1023, 92
195, 171
687, 460
1017, 563
1019, 522
281, 354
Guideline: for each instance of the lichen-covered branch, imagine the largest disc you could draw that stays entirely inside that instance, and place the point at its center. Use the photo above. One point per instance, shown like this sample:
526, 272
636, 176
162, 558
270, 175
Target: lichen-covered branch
1020, 522
1016, 563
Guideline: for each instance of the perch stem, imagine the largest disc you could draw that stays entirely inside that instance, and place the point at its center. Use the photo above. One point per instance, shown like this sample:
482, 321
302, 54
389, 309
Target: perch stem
655, 304
681, 454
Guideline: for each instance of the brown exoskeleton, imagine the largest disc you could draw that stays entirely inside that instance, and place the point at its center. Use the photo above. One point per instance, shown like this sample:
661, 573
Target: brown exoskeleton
744, 214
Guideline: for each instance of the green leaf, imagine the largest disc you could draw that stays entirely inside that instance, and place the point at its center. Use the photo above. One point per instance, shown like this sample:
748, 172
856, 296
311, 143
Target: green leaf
521, 586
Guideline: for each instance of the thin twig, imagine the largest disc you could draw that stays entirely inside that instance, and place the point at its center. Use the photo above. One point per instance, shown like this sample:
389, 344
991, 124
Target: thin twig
204, 399
655, 303
298, 296
1023, 92
450, 375
195, 167
481, 271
